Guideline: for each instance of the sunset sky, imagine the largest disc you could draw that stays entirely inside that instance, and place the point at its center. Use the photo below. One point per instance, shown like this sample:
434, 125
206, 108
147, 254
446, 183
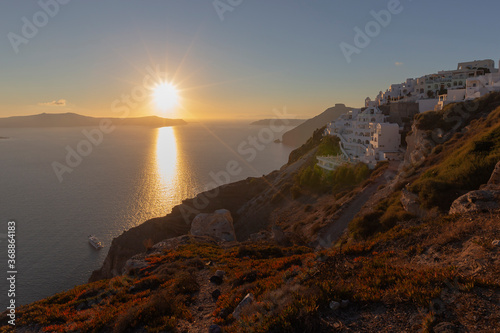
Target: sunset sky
263, 54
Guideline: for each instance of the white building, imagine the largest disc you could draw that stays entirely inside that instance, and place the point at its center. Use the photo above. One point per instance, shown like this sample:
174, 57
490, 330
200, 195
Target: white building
365, 136
475, 87
478, 77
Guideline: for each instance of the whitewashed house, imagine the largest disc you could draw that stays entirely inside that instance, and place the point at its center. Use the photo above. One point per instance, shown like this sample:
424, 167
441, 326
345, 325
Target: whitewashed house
365, 136
476, 78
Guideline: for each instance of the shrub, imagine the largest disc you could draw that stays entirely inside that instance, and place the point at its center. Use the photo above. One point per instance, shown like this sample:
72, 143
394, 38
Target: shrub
277, 197
295, 191
185, 284
366, 225
311, 143
329, 146
158, 312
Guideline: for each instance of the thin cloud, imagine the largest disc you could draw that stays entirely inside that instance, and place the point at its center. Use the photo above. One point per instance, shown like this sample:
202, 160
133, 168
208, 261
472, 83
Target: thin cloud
397, 63
61, 102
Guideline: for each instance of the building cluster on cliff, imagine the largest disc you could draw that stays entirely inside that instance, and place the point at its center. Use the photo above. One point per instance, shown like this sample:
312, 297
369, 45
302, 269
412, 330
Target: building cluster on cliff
470, 80
373, 133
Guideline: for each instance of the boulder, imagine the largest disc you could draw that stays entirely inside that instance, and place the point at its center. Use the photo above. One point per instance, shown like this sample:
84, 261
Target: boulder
279, 236
216, 294
216, 280
334, 305
261, 235
134, 264
411, 203
246, 301
487, 198
214, 329
218, 225
476, 201
494, 181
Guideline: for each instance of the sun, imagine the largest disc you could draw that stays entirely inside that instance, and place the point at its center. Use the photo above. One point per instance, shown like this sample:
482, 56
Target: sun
166, 96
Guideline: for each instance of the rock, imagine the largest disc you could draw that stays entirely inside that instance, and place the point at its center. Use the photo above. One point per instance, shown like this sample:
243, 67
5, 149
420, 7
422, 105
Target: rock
476, 201
344, 303
261, 235
445, 327
214, 329
279, 236
246, 301
494, 181
334, 305
216, 280
419, 146
216, 294
220, 273
496, 242
218, 225
411, 203
487, 198
134, 264
174, 243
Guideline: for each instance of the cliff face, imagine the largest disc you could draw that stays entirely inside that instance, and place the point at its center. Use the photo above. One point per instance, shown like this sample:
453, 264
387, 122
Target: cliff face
250, 201
133, 241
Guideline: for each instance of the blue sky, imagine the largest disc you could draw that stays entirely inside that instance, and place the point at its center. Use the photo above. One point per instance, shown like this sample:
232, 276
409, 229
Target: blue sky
263, 55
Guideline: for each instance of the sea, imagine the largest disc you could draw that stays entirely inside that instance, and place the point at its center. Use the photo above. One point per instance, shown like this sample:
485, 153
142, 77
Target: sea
61, 184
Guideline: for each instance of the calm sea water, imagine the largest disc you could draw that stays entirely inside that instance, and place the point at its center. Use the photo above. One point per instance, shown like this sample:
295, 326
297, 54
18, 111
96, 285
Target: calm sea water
133, 175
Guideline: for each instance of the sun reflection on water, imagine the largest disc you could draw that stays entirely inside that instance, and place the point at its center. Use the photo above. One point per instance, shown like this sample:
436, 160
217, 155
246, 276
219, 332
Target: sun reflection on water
166, 155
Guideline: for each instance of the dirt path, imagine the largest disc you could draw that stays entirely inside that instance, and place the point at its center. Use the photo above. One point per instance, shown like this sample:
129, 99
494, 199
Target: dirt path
330, 234
204, 306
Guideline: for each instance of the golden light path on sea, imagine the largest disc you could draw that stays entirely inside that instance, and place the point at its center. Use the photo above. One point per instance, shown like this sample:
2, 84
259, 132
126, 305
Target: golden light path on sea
166, 155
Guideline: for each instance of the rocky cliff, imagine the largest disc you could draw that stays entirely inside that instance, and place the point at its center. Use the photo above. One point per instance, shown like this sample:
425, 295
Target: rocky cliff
178, 222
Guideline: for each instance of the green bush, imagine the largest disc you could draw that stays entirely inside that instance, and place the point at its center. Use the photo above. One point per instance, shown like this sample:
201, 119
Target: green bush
344, 177
366, 225
329, 146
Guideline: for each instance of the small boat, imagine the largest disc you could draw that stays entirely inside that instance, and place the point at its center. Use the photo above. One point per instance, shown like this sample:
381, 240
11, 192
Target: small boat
95, 242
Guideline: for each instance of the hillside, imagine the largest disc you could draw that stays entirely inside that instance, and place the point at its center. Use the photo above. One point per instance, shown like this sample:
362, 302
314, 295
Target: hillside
421, 251
73, 120
299, 135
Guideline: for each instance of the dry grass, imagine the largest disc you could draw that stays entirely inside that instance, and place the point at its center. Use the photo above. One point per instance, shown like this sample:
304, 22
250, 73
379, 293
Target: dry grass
293, 286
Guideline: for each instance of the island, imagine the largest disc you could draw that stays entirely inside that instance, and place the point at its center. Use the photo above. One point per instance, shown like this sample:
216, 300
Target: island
76, 120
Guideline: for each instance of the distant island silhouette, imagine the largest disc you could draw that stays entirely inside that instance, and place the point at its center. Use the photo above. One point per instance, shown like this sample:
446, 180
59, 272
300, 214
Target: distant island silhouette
278, 121
76, 120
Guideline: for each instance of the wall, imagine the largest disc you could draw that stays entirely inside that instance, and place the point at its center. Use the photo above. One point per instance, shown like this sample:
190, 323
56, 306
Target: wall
427, 104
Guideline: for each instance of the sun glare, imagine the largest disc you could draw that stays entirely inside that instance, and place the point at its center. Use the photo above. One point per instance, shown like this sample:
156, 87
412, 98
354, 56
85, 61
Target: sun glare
165, 96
